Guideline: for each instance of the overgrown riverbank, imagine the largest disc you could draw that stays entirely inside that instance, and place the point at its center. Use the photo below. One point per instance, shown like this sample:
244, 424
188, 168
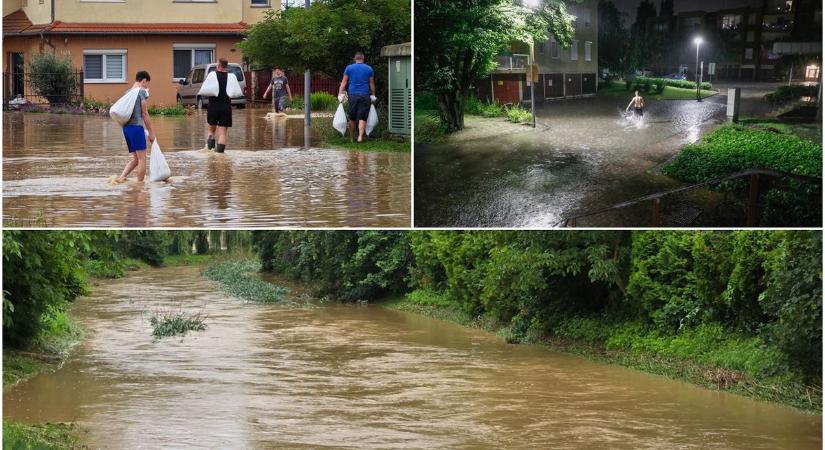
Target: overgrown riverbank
704, 357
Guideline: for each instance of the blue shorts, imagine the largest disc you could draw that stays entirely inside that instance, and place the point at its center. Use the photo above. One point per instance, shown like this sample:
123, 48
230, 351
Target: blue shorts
135, 138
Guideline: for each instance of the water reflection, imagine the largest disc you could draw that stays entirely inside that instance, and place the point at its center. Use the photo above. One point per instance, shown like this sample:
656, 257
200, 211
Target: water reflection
57, 166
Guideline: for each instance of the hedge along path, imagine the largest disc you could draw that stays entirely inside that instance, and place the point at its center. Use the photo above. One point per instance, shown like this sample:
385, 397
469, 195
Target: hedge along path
234, 279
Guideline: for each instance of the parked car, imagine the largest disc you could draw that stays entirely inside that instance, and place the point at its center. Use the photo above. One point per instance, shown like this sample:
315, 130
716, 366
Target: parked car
189, 87
676, 76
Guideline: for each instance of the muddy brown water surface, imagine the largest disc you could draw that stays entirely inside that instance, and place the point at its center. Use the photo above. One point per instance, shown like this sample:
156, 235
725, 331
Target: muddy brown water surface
56, 170
262, 376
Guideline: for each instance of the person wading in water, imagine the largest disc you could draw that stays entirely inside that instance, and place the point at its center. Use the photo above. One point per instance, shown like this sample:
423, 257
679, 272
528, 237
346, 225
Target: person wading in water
219, 110
638, 104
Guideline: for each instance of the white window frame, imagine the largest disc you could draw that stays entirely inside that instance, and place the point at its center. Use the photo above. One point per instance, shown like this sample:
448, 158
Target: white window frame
588, 51
574, 50
191, 48
267, 5
105, 53
102, 1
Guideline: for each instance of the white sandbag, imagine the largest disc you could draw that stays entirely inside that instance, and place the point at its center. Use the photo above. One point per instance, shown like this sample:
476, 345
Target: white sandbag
158, 169
122, 110
210, 87
339, 122
372, 120
233, 88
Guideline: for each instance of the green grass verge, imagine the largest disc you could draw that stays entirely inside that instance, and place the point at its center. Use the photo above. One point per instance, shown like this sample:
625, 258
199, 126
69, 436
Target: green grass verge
48, 436
175, 110
369, 145
617, 89
807, 131
234, 279
186, 260
707, 356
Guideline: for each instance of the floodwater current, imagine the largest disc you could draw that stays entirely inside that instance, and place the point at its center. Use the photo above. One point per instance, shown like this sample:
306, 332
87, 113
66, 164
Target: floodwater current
358, 376
56, 171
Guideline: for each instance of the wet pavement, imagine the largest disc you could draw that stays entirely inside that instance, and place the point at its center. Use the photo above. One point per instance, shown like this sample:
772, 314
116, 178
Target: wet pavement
56, 171
358, 376
584, 155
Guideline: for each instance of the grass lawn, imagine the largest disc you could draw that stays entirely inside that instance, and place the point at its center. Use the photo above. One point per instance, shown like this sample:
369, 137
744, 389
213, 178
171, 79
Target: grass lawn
369, 145
808, 131
670, 93
49, 436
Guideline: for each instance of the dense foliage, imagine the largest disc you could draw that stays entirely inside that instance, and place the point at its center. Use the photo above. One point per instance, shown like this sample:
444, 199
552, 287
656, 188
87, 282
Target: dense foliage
787, 94
464, 37
325, 36
235, 279
53, 78
748, 300
733, 148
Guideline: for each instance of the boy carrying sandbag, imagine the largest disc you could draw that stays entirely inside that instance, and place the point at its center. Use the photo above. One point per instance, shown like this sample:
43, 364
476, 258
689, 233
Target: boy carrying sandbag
133, 130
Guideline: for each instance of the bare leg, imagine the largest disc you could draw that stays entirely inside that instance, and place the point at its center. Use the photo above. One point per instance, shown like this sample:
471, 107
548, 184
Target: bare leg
362, 130
130, 166
141, 165
222, 135
351, 127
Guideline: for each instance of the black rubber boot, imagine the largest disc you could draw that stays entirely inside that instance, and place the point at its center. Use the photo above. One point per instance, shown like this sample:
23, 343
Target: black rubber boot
221, 148
210, 143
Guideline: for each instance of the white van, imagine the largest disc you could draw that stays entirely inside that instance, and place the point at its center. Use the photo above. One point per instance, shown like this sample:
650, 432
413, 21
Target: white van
188, 90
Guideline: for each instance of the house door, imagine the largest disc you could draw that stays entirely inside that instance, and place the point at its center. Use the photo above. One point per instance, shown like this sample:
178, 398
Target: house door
17, 67
507, 89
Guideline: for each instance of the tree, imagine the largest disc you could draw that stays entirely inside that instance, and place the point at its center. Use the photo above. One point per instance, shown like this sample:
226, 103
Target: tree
458, 41
325, 36
52, 78
614, 39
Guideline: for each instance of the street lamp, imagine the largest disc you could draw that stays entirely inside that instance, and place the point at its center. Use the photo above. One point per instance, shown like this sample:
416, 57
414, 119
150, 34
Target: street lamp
698, 42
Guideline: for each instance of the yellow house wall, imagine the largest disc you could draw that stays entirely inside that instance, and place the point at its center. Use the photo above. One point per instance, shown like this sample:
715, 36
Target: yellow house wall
149, 11
39, 11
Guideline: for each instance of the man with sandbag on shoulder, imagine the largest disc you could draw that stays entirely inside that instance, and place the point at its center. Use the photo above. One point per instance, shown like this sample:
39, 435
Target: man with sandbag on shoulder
133, 130
359, 82
219, 110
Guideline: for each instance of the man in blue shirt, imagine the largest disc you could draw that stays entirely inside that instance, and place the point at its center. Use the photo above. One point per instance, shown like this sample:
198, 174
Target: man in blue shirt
359, 82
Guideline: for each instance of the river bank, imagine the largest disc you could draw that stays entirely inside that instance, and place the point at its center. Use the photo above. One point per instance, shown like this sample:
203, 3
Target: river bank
686, 368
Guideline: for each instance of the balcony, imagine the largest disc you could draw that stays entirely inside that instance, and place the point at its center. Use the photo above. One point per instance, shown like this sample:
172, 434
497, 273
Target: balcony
515, 63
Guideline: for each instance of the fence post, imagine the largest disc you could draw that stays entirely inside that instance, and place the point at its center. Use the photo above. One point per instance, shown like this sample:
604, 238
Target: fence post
753, 201
656, 220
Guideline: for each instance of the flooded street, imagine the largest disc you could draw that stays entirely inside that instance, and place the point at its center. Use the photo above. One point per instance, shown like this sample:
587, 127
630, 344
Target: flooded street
261, 376
56, 171
584, 155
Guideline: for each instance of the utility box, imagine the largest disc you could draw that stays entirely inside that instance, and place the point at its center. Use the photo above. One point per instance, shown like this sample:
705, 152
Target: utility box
400, 87
733, 104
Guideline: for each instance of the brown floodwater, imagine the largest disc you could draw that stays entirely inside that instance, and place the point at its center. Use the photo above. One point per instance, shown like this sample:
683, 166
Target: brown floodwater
56, 171
361, 377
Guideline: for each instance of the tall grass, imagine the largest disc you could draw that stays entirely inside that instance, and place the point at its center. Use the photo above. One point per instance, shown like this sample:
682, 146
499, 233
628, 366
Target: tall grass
167, 323
234, 279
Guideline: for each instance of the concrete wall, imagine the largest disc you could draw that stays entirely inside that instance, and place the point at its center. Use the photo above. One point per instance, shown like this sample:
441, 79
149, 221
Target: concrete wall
584, 33
144, 52
158, 11
39, 11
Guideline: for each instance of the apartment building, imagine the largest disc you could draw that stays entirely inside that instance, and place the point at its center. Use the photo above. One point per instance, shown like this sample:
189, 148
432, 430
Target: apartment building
110, 40
562, 72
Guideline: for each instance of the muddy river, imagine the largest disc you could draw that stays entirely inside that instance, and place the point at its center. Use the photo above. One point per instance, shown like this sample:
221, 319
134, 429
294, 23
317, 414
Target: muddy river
361, 377
56, 170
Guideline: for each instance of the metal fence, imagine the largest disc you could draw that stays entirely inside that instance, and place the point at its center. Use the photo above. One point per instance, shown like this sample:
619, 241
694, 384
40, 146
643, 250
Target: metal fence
43, 88
296, 84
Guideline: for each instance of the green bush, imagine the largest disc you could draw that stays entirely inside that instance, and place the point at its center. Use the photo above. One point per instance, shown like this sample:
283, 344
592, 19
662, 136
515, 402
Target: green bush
53, 78
682, 84
787, 94
176, 110
322, 101
517, 114
428, 128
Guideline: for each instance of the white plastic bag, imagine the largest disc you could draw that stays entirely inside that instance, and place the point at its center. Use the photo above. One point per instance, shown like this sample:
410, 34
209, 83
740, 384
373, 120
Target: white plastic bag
233, 88
122, 110
372, 120
158, 169
210, 87
339, 122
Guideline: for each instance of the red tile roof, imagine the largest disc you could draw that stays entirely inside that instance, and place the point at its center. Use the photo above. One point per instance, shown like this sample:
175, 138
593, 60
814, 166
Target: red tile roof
147, 28
18, 23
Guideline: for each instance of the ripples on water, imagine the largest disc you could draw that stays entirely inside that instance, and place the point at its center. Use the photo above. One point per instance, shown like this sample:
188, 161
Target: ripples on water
361, 377
56, 170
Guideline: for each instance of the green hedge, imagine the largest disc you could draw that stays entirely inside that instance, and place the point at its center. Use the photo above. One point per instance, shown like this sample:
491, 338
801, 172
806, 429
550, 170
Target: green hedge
786, 94
650, 82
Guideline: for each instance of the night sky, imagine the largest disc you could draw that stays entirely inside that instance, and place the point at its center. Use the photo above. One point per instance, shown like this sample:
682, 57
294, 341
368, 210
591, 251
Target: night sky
629, 6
